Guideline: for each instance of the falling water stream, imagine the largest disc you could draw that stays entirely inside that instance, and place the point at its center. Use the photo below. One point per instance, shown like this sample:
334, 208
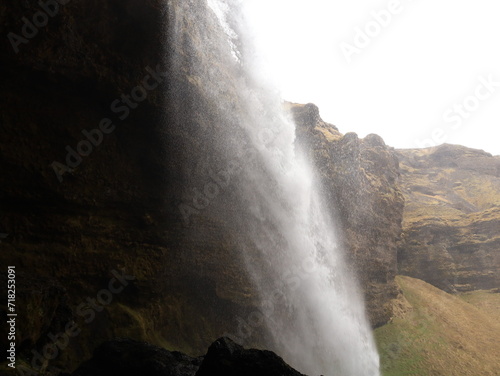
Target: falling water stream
310, 302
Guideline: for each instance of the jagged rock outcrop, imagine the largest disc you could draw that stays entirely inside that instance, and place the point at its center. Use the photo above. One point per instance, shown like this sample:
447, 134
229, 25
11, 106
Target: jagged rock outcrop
359, 177
451, 218
227, 358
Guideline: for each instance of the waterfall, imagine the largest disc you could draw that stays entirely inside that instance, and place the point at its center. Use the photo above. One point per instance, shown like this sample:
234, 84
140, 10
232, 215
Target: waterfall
308, 299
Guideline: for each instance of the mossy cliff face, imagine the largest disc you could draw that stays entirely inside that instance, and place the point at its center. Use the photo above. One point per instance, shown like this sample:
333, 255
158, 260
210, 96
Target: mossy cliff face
116, 208
451, 217
359, 178
112, 217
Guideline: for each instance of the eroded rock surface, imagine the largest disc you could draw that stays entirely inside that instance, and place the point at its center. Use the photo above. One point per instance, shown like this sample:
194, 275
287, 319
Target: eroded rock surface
451, 218
359, 177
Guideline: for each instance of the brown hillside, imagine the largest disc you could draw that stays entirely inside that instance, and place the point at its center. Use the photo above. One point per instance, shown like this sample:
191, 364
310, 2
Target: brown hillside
435, 333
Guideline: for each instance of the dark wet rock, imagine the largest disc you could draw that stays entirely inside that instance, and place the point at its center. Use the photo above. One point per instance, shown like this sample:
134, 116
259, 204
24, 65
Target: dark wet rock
224, 358
118, 208
126, 357
227, 358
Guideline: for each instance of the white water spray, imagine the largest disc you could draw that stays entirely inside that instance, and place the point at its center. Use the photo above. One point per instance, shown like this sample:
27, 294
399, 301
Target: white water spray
310, 303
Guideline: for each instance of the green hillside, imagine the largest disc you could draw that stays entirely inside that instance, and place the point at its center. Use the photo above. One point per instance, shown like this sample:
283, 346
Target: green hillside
435, 333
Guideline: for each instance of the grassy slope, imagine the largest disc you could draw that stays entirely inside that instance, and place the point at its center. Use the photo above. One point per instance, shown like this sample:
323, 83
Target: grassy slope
435, 333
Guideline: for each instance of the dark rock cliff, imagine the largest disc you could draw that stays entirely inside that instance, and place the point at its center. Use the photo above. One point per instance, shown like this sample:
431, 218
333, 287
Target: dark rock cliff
451, 218
360, 179
113, 210
102, 119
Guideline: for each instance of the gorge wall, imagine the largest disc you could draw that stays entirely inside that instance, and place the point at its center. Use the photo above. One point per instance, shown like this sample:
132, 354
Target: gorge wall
116, 210
451, 217
129, 208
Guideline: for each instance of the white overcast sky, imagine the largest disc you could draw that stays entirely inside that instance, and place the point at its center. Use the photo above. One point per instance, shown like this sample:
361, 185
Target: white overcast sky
427, 58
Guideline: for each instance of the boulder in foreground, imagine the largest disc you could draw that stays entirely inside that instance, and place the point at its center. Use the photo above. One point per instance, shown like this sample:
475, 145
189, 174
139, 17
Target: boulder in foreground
227, 358
126, 357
